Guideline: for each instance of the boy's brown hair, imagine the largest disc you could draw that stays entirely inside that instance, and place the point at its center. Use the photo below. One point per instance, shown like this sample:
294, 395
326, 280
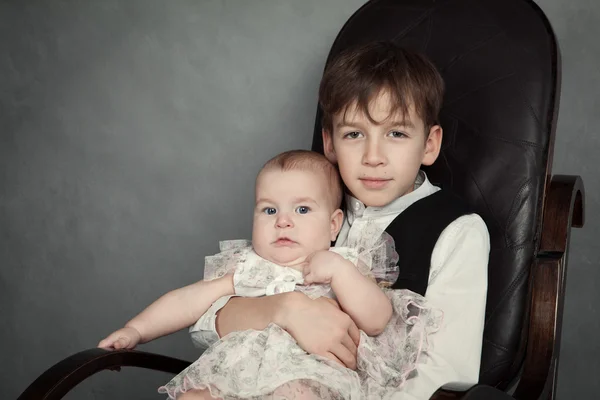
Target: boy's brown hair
305, 160
359, 74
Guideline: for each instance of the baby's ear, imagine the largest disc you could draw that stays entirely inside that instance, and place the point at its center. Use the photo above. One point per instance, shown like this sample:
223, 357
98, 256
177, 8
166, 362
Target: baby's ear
328, 149
337, 218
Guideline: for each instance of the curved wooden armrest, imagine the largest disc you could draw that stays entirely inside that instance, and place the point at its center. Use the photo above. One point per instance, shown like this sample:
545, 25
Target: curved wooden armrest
563, 209
59, 379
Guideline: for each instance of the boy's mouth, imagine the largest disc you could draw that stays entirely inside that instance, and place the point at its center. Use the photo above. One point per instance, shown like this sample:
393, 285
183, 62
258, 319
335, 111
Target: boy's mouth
374, 183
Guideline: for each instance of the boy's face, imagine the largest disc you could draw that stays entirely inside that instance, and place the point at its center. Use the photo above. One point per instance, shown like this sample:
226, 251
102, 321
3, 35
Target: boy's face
293, 216
380, 162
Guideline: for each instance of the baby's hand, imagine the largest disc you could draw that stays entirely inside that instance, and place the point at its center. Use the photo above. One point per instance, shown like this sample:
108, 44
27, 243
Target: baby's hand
321, 266
125, 338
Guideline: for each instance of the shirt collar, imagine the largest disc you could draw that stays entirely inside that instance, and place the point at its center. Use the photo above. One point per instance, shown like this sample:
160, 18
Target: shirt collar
423, 188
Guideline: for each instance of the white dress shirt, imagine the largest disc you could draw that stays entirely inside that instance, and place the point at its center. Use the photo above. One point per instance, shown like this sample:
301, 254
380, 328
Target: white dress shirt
457, 285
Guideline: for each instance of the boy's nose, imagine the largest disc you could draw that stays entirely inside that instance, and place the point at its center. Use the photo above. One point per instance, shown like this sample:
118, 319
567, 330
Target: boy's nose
373, 154
284, 221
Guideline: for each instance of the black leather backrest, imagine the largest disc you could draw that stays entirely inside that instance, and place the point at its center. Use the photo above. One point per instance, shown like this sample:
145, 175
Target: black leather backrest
500, 64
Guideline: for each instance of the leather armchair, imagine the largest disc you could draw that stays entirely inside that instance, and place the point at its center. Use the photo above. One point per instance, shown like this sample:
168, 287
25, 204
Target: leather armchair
501, 65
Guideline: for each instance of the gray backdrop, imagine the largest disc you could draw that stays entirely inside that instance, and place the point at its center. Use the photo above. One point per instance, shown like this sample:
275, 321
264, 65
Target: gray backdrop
130, 134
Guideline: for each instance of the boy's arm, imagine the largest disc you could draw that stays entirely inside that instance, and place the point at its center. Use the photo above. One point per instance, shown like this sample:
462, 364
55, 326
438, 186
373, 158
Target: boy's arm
179, 308
361, 298
460, 289
319, 326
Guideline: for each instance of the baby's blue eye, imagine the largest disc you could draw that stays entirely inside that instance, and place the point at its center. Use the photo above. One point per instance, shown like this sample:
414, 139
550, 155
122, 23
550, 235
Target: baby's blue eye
269, 211
352, 135
302, 210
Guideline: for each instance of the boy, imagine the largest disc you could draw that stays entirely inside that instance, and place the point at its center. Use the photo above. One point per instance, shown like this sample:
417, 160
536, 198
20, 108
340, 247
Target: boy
380, 108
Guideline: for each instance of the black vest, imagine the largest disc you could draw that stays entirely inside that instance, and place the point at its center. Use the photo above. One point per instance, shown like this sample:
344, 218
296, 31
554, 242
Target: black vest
415, 232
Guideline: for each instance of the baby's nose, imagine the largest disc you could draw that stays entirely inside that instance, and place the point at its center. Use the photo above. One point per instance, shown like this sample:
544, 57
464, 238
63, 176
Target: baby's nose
284, 221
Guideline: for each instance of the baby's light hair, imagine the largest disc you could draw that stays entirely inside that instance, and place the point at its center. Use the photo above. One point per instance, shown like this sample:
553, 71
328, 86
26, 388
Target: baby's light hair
306, 160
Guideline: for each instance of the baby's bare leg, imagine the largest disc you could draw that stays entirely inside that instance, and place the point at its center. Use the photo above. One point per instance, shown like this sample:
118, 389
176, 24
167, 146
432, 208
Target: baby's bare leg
196, 394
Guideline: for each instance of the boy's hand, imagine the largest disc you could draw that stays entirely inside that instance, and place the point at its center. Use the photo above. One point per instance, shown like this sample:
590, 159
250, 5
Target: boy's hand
125, 338
321, 266
320, 327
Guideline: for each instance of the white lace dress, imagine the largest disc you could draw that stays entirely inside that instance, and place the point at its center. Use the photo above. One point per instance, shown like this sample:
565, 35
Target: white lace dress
269, 364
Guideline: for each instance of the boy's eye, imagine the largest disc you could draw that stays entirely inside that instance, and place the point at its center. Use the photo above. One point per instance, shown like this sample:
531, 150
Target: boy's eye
352, 135
269, 210
302, 210
397, 134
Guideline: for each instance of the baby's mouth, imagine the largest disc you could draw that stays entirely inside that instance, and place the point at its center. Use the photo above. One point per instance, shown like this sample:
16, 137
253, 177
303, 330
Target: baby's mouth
284, 241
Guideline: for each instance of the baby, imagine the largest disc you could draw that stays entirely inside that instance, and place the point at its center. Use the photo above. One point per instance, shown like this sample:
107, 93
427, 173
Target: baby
296, 217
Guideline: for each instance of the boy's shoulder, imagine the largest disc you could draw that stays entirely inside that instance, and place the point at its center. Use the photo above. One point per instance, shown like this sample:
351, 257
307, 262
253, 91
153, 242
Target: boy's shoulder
435, 222
463, 216
441, 216
439, 208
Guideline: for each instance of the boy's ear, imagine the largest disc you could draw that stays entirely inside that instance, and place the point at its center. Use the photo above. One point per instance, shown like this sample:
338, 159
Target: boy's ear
328, 149
337, 218
433, 145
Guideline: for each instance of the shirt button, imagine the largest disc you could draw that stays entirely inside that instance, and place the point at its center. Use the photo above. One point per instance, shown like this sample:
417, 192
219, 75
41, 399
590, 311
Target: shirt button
288, 278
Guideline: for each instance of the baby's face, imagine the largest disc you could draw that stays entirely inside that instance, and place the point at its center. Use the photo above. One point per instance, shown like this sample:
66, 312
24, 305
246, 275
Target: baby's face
292, 216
